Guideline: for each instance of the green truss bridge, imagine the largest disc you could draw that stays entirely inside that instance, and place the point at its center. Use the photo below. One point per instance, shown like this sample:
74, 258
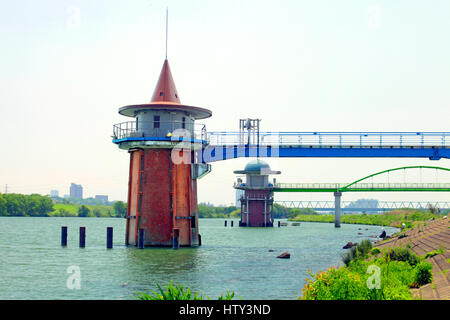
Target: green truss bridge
363, 184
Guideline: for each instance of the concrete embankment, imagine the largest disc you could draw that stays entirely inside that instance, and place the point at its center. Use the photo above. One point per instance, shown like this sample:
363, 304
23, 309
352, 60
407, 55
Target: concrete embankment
430, 236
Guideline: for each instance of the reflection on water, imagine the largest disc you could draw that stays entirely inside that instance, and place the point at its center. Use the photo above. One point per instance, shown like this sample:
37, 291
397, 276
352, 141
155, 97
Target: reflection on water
33, 265
167, 261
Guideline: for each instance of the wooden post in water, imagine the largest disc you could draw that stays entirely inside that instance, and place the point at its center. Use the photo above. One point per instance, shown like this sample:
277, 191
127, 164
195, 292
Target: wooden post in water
225, 224
199, 240
232, 222
64, 236
141, 239
82, 237
279, 224
109, 237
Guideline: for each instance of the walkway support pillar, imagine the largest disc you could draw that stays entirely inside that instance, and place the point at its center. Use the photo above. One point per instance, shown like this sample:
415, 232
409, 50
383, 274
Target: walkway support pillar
337, 209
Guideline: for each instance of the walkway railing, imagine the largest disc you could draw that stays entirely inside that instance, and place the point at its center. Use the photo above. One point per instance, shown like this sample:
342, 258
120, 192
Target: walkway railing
383, 186
299, 139
310, 186
382, 205
160, 129
337, 139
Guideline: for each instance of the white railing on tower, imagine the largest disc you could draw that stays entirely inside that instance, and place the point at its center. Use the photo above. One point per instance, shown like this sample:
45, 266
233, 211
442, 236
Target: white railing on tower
161, 129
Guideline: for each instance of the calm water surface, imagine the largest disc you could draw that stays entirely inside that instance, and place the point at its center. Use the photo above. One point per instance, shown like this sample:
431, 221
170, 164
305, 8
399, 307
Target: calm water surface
33, 265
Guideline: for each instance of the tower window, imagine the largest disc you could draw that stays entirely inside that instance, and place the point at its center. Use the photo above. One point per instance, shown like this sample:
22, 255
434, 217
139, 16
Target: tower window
176, 96
156, 122
161, 94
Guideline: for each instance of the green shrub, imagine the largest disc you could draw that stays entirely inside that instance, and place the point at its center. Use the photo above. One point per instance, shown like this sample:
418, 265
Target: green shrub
423, 274
375, 251
360, 251
434, 253
399, 270
351, 283
335, 284
84, 211
228, 296
402, 254
171, 292
178, 292
364, 247
396, 290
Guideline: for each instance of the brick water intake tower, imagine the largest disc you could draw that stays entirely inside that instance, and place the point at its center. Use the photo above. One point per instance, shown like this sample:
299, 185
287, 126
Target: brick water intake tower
257, 200
162, 190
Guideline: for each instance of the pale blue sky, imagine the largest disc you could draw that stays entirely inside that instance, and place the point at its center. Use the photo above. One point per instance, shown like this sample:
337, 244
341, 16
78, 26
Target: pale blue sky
67, 66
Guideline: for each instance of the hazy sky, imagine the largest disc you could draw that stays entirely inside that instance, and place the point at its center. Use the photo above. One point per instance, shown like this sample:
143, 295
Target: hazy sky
356, 65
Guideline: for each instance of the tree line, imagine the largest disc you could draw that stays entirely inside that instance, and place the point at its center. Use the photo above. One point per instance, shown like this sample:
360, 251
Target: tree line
34, 205
209, 211
119, 210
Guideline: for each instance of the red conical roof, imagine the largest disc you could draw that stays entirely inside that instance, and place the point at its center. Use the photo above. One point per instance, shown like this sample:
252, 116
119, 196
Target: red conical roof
165, 90
165, 97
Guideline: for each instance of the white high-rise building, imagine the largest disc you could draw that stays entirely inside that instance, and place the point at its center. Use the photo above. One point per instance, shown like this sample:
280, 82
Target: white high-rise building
76, 191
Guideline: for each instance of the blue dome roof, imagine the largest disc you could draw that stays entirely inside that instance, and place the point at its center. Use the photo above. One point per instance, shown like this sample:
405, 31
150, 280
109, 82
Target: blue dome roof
257, 165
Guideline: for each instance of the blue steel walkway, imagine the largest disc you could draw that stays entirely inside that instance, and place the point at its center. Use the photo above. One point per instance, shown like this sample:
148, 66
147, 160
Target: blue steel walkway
230, 145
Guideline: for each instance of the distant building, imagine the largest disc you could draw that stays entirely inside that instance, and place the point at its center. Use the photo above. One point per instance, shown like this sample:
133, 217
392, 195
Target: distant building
103, 198
206, 204
76, 191
257, 201
54, 193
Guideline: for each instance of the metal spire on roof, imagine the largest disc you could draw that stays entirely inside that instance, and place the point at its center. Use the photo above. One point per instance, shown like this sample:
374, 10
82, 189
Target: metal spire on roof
167, 27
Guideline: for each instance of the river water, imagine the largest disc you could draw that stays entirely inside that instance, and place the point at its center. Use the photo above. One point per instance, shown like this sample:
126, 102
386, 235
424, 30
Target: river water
33, 265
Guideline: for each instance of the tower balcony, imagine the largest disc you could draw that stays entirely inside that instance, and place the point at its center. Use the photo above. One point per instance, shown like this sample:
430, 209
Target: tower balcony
133, 133
245, 186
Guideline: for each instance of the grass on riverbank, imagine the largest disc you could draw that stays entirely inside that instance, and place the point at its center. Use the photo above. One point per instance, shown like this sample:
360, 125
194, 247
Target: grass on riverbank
393, 218
71, 210
180, 292
386, 275
370, 275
